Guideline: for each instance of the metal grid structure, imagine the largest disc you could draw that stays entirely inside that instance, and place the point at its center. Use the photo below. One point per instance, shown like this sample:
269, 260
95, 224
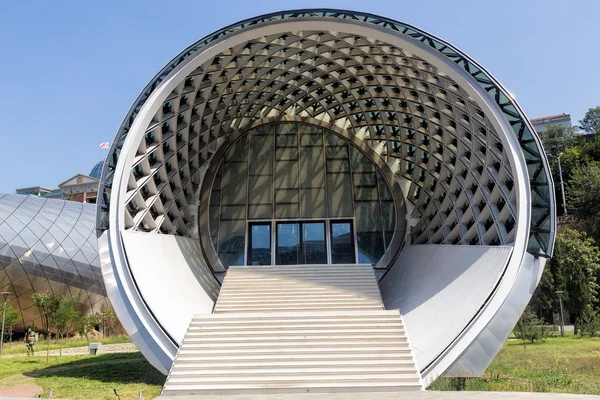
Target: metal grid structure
423, 123
48, 245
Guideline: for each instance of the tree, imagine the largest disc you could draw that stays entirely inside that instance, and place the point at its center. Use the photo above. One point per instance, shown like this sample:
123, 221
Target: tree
544, 299
575, 265
557, 138
584, 197
48, 304
70, 195
87, 324
64, 319
591, 121
108, 318
589, 323
530, 327
11, 317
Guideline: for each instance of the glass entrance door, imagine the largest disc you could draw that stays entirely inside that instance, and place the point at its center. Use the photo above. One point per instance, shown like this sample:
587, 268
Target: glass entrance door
259, 249
342, 243
301, 243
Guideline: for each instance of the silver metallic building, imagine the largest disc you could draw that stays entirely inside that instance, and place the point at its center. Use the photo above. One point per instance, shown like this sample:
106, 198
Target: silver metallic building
328, 137
48, 245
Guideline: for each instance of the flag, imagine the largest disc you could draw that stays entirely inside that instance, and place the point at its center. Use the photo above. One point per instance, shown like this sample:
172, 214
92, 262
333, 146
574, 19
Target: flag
104, 145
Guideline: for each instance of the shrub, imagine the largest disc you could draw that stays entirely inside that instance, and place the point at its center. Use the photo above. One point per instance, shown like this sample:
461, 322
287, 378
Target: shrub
530, 327
589, 323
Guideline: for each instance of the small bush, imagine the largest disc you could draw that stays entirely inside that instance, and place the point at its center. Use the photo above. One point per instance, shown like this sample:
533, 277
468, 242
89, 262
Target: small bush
589, 323
530, 328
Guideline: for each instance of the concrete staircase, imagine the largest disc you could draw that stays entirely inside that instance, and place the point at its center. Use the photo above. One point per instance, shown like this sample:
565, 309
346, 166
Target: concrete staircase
286, 329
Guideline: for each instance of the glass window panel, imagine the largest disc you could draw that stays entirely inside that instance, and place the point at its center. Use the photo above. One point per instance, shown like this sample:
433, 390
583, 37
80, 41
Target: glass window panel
331, 139
286, 153
234, 183
287, 211
287, 140
263, 130
312, 168
231, 242
287, 196
365, 193
335, 166
238, 151
360, 162
305, 129
339, 195
214, 222
286, 128
260, 190
260, 211
286, 175
233, 212
311, 139
337, 152
261, 155
365, 186
384, 190
388, 214
313, 203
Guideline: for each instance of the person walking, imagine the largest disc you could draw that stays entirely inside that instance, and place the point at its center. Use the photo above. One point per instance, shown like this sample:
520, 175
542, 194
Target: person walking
29, 340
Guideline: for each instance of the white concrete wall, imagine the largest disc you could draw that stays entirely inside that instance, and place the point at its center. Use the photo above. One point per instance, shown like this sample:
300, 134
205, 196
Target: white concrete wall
439, 289
491, 339
172, 278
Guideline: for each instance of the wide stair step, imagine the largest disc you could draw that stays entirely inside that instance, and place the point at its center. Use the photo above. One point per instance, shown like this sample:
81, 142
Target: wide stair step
289, 329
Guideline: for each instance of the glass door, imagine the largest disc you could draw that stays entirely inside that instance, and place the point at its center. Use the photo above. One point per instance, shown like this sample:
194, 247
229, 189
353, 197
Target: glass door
342, 243
301, 243
259, 249
288, 243
314, 248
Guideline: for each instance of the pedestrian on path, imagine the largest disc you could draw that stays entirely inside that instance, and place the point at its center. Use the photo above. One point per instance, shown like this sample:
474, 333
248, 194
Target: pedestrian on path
30, 339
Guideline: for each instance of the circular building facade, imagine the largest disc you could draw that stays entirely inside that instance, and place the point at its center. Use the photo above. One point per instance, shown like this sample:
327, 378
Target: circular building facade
328, 137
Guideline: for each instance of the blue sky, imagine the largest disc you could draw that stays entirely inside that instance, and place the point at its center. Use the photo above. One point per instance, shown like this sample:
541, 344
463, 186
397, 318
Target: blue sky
70, 69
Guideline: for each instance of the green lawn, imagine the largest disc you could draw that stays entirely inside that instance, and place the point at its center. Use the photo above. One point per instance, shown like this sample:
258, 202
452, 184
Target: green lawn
85, 377
40, 346
567, 365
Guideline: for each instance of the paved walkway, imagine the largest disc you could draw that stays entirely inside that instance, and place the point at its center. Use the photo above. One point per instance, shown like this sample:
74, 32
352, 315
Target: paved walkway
80, 351
426, 395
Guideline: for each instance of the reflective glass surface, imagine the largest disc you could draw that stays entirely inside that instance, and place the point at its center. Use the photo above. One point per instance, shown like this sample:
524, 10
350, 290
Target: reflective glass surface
259, 252
314, 248
288, 243
342, 243
301, 172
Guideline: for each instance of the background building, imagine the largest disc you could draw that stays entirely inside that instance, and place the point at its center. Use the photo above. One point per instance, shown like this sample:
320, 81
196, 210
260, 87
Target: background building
540, 124
341, 155
81, 188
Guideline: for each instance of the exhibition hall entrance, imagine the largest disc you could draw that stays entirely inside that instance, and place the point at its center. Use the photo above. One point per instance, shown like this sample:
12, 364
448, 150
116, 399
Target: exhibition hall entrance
301, 242
288, 193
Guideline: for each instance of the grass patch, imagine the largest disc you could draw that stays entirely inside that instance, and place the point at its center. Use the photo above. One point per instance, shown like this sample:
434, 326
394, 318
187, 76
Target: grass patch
86, 377
561, 365
40, 346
